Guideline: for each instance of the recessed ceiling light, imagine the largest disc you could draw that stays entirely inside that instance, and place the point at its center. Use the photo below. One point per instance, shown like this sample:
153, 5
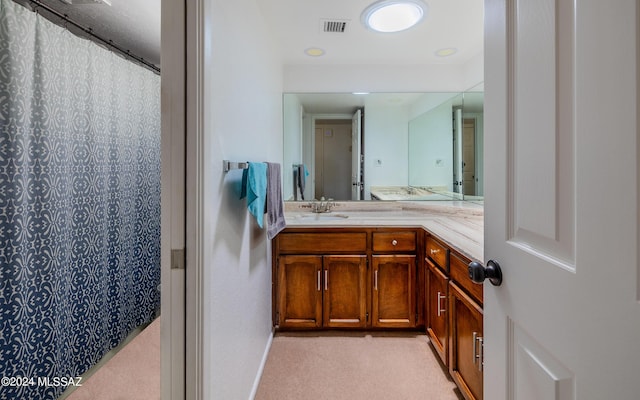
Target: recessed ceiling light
360, 93
393, 15
314, 52
446, 52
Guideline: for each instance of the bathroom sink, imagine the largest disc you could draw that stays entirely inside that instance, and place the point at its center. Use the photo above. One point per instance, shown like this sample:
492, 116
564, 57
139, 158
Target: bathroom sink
321, 217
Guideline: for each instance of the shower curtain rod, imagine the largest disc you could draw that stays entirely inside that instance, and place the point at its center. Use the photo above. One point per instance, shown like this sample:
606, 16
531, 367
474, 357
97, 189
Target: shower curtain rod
126, 53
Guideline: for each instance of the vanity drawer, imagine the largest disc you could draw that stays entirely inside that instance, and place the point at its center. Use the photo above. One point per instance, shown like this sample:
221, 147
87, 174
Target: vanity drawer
437, 252
460, 274
314, 243
394, 241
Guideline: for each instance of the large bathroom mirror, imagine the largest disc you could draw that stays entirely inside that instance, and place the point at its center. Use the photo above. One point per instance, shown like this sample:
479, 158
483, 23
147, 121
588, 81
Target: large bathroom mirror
383, 146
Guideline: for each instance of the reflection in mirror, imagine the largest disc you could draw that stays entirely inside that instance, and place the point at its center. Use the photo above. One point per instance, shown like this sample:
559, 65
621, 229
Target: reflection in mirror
473, 144
432, 159
322, 156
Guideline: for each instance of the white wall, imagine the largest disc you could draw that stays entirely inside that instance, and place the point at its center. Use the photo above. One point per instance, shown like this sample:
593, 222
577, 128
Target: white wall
473, 71
243, 121
385, 146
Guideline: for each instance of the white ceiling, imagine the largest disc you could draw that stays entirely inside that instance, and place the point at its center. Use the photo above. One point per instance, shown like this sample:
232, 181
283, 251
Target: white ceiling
133, 25
297, 25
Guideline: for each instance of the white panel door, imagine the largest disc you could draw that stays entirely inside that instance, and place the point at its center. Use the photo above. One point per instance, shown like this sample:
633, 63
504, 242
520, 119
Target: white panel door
561, 199
356, 150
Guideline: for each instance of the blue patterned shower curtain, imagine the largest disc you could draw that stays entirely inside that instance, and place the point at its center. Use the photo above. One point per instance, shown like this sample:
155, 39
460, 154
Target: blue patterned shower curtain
79, 202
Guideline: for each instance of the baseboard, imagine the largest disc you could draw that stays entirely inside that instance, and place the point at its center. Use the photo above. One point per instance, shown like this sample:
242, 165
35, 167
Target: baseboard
256, 382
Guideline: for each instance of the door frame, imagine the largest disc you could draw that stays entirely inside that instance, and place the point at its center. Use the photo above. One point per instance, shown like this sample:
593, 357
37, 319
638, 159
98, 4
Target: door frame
182, 36
172, 335
312, 164
194, 105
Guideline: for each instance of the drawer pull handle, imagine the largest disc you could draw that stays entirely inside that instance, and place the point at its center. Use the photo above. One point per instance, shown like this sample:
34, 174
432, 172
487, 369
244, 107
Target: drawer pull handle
318, 280
440, 309
475, 347
394, 242
478, 350
375, 280
435, 251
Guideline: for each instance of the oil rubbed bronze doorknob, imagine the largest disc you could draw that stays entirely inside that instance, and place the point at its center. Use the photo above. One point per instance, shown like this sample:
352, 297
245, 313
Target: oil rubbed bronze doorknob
478, 273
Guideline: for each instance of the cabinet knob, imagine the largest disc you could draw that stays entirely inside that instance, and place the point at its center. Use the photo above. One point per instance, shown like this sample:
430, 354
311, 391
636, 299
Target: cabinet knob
394, 242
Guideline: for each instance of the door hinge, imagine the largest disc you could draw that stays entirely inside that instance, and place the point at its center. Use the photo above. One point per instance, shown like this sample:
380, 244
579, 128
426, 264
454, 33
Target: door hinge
177, 259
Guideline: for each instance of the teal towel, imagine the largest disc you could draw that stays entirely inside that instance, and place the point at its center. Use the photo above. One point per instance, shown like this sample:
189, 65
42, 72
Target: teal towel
254, 188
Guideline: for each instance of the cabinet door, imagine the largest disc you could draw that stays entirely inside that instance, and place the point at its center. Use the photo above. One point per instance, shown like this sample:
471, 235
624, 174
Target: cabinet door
466, 343
437, 305
345, 291
299, 291
393, 291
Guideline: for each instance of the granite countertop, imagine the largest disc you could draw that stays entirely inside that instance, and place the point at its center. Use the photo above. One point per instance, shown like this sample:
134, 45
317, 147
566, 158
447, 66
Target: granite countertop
459, 224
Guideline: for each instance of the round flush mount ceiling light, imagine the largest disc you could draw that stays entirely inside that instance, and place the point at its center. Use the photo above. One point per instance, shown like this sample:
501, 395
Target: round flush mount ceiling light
393, 15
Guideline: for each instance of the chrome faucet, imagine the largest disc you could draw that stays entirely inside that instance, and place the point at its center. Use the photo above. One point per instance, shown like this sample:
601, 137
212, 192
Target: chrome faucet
322, 205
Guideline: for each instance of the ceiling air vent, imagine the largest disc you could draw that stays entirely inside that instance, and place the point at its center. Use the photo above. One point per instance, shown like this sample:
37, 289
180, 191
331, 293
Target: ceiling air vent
334, 26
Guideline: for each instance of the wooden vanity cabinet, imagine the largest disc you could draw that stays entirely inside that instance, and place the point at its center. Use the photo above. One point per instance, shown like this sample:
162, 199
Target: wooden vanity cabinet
320, 280
317, 291
453, 309
466, 343
299, 291
345, 278
394, 269
466, 337
437, 305
394, 291
437, 252
345, 291
436, 268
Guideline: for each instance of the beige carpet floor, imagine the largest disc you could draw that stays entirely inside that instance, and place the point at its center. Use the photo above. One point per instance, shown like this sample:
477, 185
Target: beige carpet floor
354, 366
131, 374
